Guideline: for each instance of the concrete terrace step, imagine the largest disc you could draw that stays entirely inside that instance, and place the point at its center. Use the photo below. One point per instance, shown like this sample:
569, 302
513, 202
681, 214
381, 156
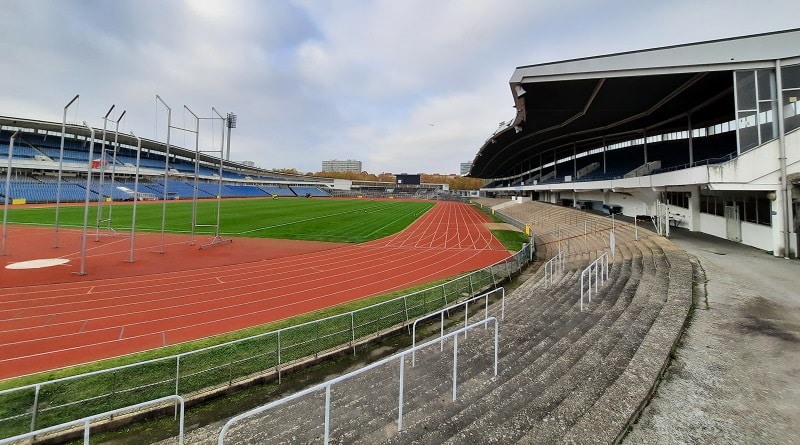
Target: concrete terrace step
550, 357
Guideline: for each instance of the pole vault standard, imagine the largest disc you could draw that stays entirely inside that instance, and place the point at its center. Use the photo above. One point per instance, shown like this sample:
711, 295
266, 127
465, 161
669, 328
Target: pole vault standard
8, 191
86, 200
135, 191
166, 172
61, 165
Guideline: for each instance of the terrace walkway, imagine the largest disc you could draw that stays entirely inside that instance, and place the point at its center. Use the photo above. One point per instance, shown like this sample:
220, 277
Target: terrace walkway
564, 375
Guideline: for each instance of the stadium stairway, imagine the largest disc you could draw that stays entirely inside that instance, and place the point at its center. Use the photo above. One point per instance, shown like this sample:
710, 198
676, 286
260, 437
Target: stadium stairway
565, 375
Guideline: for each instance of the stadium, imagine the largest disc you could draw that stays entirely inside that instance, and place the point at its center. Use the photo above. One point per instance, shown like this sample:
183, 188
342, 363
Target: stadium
607, 159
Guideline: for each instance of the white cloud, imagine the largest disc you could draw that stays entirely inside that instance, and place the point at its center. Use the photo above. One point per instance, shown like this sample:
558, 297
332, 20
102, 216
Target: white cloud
317, 80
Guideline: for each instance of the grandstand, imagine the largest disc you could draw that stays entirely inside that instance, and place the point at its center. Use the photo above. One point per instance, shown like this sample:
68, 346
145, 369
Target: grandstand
35, 167
702, 136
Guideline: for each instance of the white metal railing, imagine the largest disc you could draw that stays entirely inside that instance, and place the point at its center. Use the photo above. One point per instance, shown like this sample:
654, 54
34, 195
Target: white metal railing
401, 356
86, 421
553, 266
465, 304
599, 268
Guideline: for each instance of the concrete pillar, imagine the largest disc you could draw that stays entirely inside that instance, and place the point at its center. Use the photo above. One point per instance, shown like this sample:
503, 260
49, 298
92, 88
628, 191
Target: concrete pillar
694, 210
778, 223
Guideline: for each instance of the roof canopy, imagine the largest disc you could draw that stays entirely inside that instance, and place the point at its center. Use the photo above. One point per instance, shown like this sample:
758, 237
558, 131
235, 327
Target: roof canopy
577, 105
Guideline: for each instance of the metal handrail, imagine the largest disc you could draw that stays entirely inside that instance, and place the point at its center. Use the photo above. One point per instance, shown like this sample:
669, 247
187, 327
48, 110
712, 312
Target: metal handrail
399, 356
86, 421
600, 263
552, 266
464, 303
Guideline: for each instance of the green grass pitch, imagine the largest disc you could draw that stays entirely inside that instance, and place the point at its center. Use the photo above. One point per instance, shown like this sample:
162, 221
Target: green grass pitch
334, 220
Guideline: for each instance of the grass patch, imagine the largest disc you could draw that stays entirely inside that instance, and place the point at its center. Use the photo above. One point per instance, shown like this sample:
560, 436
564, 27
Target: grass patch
333, 220
511, 239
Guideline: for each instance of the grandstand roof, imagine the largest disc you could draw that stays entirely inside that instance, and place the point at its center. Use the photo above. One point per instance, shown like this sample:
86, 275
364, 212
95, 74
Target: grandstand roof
147, 145
571, 106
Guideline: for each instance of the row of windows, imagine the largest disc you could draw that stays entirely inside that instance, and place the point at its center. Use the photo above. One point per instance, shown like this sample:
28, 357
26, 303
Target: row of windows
754, 207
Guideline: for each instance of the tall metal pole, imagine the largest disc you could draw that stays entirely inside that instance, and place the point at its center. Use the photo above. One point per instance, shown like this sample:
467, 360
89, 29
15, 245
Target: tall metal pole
196, 171
8, 190
135, 191
114, 167
102, 174
219, 186
61, 165
86, 201
166, 173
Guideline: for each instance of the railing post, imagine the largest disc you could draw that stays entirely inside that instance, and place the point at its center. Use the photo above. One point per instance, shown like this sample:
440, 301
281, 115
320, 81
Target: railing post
327, 412
400, 398
455, 365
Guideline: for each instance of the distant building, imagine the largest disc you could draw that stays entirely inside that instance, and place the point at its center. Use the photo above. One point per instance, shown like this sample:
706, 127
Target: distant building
465, 168
336, 165
248, 163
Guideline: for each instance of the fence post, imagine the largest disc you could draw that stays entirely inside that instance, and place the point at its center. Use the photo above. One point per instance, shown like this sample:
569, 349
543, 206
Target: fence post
278, 364
177, 373
316, 339
353, 331
35, 408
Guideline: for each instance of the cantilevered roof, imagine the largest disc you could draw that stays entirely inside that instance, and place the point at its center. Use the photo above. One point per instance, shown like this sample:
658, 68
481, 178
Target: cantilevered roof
574, 105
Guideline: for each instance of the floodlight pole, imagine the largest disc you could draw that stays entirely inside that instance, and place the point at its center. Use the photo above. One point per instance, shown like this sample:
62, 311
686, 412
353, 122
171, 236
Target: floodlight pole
86, 201
61, 165
230, 122
135, 191
8, 191
102, 173
166, 172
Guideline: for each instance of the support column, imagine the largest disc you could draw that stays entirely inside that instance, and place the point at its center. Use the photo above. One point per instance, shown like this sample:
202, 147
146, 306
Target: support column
694, 209
779, 229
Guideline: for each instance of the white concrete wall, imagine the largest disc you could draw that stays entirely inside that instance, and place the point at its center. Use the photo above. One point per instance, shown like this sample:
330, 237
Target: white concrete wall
757, 235
712, 225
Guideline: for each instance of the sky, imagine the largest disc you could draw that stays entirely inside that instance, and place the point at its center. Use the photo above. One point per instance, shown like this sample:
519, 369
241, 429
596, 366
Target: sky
404, 86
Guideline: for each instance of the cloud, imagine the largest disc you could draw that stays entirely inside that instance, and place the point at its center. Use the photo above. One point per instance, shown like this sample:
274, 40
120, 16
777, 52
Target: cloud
314, 80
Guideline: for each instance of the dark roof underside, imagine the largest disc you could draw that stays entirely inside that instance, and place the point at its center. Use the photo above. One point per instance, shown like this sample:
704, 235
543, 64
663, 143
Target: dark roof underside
558, 117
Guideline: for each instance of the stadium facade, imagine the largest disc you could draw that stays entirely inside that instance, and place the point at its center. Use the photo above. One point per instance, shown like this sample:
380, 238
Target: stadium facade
702, 136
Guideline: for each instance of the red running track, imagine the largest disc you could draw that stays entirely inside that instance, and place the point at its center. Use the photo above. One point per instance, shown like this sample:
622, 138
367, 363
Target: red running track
78, 319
